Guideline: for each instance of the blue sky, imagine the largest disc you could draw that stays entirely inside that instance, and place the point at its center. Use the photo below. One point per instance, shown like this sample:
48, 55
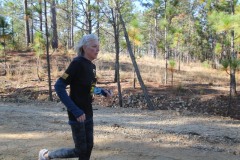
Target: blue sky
138, 6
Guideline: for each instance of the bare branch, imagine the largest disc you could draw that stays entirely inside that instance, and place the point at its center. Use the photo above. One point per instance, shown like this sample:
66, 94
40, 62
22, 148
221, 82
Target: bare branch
111, 34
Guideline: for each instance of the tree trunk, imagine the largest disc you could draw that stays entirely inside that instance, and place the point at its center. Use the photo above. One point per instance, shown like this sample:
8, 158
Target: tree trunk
40, 15
4, 51
13, 40
68, 26
179, 57
166, 57
117, 48
89, 18
149, 44
115, 73
233, 57
145, 92
116, 38
27, 32
54, 25
233, 85
155, 38
32, 26
134, 75
47, 50
72, 25
98, 20
166, 47
117, 69
38, 68
179, 61
214, 64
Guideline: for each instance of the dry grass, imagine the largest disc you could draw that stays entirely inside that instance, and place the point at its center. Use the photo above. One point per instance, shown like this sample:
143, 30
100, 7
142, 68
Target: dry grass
22, 72
152, 70
204, 86
191, 76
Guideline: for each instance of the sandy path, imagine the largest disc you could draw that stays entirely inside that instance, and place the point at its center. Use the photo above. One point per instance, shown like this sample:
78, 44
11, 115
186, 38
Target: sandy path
120, 134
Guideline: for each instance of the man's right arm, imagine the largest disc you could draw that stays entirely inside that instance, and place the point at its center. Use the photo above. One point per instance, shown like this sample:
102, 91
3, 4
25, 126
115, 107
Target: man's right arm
60, 88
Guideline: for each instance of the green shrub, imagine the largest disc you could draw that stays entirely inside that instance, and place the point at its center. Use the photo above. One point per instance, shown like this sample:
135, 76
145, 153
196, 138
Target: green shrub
206, 64
1, 50
225, 63
233, 63
39, 44
172, 63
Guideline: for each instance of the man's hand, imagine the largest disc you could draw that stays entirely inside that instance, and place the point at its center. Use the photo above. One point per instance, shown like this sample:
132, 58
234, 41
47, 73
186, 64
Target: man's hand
82, 118
108, 93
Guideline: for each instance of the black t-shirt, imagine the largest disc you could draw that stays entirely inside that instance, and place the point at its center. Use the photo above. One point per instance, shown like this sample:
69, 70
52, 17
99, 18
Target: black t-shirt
81, 76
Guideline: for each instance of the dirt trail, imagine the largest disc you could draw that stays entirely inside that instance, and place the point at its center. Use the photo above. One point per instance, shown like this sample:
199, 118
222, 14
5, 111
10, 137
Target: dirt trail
120, 133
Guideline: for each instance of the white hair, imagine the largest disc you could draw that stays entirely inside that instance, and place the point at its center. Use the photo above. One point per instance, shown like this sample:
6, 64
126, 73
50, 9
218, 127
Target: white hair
84, 42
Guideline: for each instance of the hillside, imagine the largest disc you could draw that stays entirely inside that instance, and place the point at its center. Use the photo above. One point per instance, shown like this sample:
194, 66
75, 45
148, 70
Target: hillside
196, 87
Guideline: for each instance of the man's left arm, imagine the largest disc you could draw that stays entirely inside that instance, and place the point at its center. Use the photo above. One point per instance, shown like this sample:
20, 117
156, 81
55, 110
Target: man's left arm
101, 91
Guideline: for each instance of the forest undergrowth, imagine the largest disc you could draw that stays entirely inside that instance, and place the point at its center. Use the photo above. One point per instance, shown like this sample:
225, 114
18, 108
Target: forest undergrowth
195, 89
